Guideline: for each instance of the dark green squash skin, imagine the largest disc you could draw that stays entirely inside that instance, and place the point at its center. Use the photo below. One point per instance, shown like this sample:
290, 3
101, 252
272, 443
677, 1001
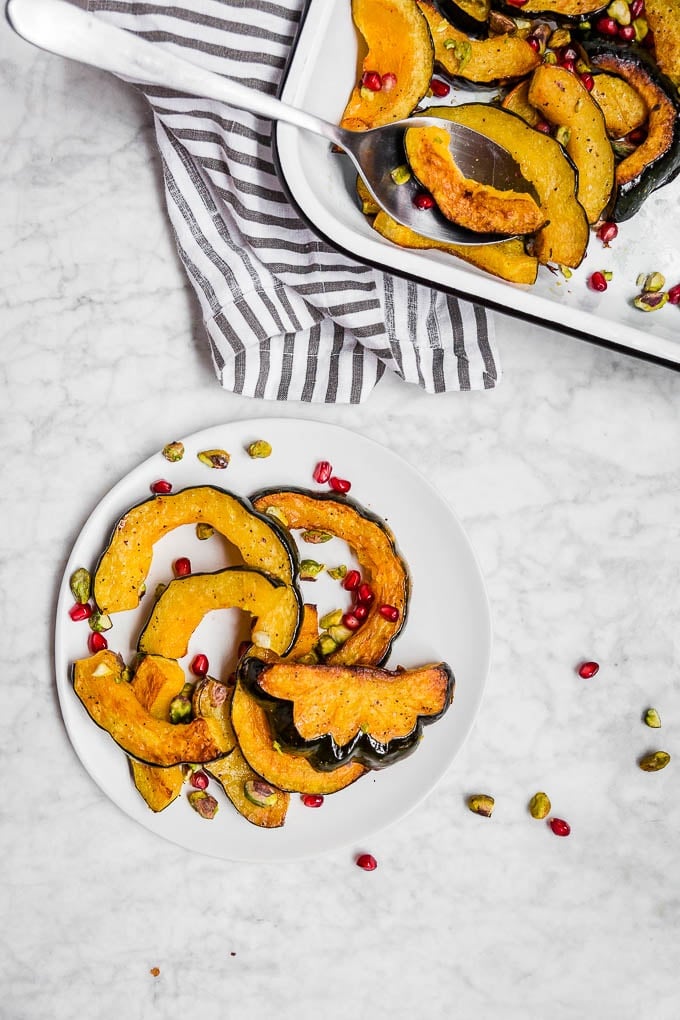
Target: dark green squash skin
666, 166
332, 497
568, 20
325, 754
455, 12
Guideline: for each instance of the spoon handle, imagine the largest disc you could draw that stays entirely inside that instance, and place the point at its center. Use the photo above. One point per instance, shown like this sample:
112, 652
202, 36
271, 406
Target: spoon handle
61, 28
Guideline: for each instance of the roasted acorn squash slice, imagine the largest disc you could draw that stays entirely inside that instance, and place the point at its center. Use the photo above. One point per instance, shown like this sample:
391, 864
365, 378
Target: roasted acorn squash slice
468, 203
562, 98
124, 565
286, 771
656, 161
545, 165
155, 683
276, 606
331, 715
477, 60
566, 11
112, 703
507, 259
622, 106
663, 18
374, 546
470, 16
399, 44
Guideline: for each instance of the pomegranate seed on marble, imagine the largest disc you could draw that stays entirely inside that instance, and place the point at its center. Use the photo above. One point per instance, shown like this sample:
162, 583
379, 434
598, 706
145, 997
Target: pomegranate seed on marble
560, 827
439, 88
597, 281
372, 81
351, 621
199, 780
80, 611
339, 485
423, 200
360, 611
674, 295
312, 799
390, 613
365, 594
587, 670
388, 81
352, 580
96, 642
322, 472
607, 232
367, 862
182, 566
199, 665
161, 487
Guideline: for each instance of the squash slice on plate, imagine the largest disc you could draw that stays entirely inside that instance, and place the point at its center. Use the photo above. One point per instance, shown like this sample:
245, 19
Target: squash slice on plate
155, 683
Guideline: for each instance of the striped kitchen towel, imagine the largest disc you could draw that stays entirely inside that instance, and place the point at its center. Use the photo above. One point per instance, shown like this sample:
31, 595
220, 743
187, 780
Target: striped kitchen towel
287, 317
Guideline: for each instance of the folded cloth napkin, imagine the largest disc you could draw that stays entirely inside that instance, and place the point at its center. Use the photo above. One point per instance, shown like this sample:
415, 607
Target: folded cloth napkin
287, 317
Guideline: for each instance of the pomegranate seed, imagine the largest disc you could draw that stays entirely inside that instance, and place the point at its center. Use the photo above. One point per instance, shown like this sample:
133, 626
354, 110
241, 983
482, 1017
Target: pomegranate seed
361, 612
80, 611
351, 621
322, 472
96, 642
568, 65
390, 613
626, 32
518, 3
339, 485
199, 665
534, 43
560, 827
569, 53
439, 88
367, 862
161, 487
597, 281
199, 780
372, 81
312, 799
182, 566
388, 81
674, 295
352, 580
636, 8
365, 594
607, 232
607, 26
423, 200
587, 670
543, 126
637, 135
588, 81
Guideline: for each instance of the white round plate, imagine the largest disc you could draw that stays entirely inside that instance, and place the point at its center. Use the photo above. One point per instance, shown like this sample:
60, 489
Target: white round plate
448, 619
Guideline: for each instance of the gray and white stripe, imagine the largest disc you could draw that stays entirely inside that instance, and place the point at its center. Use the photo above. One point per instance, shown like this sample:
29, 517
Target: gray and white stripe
288, 317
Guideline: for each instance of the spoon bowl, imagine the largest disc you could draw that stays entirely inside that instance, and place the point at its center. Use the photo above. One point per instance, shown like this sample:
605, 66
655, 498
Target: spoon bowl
61, 28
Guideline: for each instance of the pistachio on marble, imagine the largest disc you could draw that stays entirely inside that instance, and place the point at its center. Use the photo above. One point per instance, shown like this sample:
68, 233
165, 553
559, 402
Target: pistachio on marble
539, 805
481, 804
654, 761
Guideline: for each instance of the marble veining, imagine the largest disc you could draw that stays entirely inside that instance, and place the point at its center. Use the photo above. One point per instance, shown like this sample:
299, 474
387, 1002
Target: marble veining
566, 479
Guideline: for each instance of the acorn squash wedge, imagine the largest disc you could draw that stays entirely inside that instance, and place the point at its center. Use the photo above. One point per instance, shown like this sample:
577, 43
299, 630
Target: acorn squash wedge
622, 106
399, 45
286, 771
478, 207
562, 98
546, 166
276, 607
477, 60
568, 11
331, 715
663, 18
124, 565
374, 546
470, 16
112, 703
155, 683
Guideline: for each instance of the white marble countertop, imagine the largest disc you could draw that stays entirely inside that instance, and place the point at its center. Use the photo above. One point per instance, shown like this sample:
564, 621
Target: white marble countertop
566, 480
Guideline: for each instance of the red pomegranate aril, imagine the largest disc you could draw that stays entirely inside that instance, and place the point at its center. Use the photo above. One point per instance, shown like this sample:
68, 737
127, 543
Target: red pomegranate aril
534, 43
607, 26
322, 472
351, 621
560, 827
636, 136
607, 232
543, 126
588, 81
626, 32
439, 88
372, 81
390, 613
312, 799
80, 611
568, 54
597, 281
423, 200
587, 670
96, 642
199, 665
161, 487
352, 580
636, 8
182, 566
365, 594
199, 780
367, 862
360, 611
674, 295
388, 81
518, 3
339, 485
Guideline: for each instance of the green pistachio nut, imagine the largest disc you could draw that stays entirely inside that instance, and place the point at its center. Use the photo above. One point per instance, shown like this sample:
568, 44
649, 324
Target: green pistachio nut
204, 531
539, 805
260, 449
310, 570
338, 573
203, 803
260, 793
654, 761
99, 622
80, 583
652, 718
315, 537
218, 459
481, 804
173, 451
331, 619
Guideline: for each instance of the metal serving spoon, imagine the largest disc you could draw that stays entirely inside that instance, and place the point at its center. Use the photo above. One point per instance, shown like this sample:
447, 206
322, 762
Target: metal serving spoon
61, 28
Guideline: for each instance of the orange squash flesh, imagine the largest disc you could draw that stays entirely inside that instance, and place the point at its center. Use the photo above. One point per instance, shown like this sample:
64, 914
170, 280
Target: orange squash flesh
155, 683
